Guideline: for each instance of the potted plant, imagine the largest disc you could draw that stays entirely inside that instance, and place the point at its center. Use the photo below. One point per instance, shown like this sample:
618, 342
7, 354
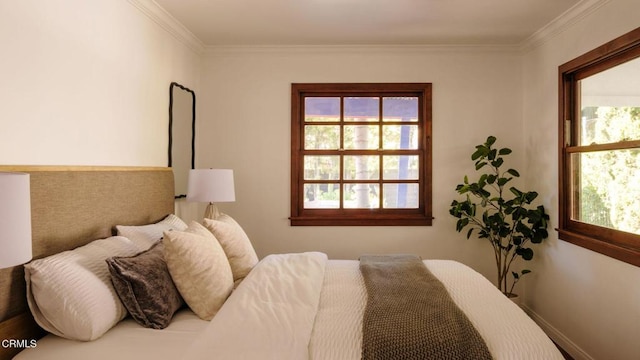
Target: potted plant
504, 216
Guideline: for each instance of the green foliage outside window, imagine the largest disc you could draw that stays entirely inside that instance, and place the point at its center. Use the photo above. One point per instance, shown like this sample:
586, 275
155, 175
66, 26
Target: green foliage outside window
610, 180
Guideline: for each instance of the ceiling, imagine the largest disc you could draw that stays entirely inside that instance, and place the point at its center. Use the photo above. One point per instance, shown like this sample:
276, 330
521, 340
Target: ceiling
364, 22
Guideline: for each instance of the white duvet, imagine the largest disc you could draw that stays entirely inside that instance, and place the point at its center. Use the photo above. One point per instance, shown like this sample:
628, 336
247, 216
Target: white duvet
270, 315
303, 306
279, 313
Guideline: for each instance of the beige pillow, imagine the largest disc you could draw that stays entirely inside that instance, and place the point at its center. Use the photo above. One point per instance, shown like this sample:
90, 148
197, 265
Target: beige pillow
144, 236
199, 268
236, 244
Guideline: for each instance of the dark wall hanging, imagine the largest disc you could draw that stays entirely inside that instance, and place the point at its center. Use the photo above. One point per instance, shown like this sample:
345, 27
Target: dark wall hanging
182, 135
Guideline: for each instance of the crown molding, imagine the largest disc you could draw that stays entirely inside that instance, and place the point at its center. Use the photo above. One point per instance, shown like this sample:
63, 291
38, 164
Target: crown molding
221, 50
561, 23
170, 24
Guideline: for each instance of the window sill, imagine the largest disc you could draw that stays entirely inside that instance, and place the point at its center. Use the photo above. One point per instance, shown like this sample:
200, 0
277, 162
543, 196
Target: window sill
630, 256
361, 221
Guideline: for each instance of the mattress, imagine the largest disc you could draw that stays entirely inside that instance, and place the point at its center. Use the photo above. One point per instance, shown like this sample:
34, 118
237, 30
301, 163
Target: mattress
126, 341
302, 306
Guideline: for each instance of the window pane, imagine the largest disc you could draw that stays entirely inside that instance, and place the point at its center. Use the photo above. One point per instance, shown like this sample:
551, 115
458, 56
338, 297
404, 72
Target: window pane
362, 167
321, 167
361, 137
405, 167
400, 109
606, 124
321, 196
361, 196
318, 137
361, 109
400, 137
607, 187
609, 101
322, 109
401, 196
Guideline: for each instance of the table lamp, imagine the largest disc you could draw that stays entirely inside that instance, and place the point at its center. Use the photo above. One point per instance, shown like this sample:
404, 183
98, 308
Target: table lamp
15, 219
211, 185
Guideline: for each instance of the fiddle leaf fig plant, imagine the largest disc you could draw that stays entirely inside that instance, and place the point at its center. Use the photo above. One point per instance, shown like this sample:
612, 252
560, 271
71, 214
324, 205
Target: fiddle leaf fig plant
499, 213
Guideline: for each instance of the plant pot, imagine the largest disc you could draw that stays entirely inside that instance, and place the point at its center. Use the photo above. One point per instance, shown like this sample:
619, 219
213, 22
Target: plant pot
515, 298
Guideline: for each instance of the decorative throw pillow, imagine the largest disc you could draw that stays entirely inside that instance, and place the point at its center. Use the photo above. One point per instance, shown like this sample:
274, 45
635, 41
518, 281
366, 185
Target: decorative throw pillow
236, 244
70, 294
199, 269
146, 235
145, 287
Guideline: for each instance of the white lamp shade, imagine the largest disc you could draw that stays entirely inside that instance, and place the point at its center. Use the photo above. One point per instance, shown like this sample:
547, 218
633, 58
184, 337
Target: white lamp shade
211, 185
15, 219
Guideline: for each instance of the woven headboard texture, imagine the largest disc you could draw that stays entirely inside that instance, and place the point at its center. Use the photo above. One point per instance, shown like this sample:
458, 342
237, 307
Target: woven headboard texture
70, 207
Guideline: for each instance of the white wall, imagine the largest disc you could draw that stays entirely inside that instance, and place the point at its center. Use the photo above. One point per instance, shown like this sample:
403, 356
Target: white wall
590, 300
246, 111
87, 83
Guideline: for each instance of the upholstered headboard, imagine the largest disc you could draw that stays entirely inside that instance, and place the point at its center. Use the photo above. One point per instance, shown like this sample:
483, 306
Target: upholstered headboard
70, 207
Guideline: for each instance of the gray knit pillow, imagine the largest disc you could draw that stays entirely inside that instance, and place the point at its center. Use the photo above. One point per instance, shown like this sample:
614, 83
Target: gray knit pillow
145, 287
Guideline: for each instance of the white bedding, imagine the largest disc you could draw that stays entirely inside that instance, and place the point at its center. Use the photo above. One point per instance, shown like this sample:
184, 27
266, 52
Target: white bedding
271, 313
506, 329
125, 341
303, 306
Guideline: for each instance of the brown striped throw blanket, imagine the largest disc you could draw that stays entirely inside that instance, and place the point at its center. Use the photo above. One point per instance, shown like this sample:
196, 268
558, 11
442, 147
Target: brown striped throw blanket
410, 315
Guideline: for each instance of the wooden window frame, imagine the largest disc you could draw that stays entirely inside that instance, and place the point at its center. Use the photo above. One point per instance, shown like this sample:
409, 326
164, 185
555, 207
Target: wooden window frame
617, 244
421, 216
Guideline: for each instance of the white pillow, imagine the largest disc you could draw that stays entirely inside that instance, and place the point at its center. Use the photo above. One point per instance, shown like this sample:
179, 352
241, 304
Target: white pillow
236, 244
199, 268
144, 236
70, 294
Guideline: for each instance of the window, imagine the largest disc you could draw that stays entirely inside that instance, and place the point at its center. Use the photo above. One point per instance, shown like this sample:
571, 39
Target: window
361, 154
599, 149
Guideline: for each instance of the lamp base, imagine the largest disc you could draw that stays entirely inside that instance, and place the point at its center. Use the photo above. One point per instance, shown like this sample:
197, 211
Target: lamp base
212, 212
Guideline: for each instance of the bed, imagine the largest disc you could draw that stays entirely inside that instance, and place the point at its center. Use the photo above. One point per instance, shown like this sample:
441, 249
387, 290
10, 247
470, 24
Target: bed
286, 306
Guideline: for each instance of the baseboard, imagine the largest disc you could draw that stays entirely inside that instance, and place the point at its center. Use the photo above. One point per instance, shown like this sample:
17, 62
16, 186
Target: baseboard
558, 337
